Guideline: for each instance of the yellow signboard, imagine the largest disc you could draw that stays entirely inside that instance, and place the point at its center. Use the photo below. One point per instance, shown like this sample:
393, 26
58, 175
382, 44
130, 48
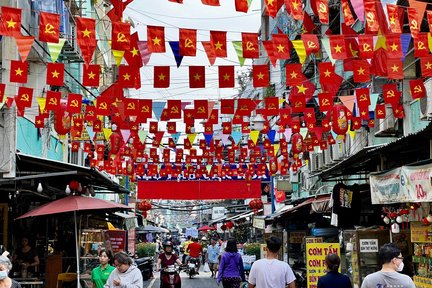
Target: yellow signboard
420, 233
315, 260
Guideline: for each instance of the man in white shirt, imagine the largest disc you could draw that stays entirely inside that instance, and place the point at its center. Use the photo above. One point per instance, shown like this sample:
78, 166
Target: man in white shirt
271, 272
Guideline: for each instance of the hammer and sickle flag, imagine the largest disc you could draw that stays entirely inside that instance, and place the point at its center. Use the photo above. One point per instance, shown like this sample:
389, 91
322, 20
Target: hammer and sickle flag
380, 111
323, 13
187, 42
120, 36
366, 46
250, 45
311, 43
49, 27
174, 109
74, 103
417, 88
201, 109
24, 97
52, 101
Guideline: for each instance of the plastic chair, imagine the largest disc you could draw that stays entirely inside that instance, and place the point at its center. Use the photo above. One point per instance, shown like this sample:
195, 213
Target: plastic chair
65, 277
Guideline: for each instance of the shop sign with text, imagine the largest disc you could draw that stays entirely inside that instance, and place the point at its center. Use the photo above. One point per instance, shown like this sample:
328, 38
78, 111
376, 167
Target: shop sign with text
315, 260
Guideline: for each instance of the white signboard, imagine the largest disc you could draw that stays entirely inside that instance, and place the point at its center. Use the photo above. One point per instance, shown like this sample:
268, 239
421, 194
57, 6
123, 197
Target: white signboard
218, 212
368, 245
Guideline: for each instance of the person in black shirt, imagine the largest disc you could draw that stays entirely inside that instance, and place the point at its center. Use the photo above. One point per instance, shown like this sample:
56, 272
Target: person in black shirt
333, 278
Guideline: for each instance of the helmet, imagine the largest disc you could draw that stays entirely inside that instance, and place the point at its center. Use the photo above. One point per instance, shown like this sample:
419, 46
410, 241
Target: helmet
204, 238
167, 243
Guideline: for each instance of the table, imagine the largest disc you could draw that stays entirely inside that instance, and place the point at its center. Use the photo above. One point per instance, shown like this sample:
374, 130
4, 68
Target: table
30, 282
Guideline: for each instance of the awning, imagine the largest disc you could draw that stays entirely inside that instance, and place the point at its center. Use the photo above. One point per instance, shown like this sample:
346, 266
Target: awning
130, 220
319, 199
55, 175
242, 215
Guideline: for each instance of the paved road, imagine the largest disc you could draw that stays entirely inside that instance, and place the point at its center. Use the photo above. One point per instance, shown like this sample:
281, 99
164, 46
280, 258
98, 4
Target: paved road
202, 280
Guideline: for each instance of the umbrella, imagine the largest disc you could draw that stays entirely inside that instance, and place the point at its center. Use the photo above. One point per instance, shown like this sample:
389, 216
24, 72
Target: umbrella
74, 204
206, 228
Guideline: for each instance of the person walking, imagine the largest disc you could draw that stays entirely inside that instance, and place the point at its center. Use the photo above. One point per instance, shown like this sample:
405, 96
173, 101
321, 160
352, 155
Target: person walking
271, 272
100, 274
389, 276
212, 257
333, 278
231, 271
125, 275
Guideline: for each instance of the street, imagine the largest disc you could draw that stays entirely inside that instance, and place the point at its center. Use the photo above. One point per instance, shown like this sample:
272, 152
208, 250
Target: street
202, 280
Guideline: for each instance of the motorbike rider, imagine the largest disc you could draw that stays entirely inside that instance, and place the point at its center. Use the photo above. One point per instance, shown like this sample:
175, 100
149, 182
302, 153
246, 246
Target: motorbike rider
167, 258
195, 249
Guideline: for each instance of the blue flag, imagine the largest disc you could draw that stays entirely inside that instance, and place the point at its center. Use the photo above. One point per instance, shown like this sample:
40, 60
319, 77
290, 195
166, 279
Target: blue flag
175, 47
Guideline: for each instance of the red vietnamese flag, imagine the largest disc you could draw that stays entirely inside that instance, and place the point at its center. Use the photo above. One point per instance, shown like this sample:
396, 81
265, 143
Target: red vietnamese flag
414, 25
120, 36
294, 75
326, 72
269, 47
395, 69
211, 2
425, 64
421, 45
226, 127
394, 46
371, 17
2, 91
52, 101
133, 55
156, 39
49, 27
10, 21
281, 46
196, 77
323, 13
285, 116
55, 74
366, 46
241, 5
271, 8
187, 42
260, 74
201, 109
337, 45
347, 14
296, 8
237, 119
417, 88
250, 45
380, 111
218, 42
91, 75
86, 37
161, 76
429, 17
226, 76
189, 116
24, 97
174, 109
18, 71
127, 74
311, 43
227, 106
177, 1
394, 16
390, 94
325, 101
361, 69
306, 89
214, 117
74, 103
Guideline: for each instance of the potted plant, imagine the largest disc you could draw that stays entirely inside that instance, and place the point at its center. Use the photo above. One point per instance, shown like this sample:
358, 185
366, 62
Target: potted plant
253, 249
145, 249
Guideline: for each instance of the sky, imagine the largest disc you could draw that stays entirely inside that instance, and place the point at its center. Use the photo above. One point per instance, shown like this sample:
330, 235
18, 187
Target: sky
192, 15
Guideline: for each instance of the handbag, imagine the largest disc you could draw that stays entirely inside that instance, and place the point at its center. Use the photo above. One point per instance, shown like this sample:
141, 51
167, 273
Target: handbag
206, 267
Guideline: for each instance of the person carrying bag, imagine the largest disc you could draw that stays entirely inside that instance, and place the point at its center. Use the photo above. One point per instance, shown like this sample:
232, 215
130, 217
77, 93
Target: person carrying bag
231, 272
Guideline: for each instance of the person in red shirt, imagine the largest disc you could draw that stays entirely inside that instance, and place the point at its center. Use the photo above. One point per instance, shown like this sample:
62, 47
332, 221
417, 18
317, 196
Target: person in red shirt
195, 249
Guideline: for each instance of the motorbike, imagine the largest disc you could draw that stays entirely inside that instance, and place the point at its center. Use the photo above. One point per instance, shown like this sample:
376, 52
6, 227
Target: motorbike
192, 267
145, 265
170, 277
299, 270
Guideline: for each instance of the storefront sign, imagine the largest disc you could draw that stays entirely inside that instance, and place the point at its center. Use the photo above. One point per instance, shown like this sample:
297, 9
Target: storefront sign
368, 245
315, 260
218, 212
314, 240
116, 239
258, 223
420, 233
403, 184
296, 237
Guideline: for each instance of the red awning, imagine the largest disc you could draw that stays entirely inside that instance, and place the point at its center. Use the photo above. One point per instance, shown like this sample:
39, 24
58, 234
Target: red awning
199, 190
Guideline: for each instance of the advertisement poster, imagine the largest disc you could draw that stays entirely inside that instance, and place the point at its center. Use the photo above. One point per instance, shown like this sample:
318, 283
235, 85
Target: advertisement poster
420, 233
315, 260
115, 240
385, 188
368, 245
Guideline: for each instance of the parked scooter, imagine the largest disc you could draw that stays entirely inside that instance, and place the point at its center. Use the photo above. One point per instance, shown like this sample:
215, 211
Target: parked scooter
170, 277
145, 265
299, 270
192, 267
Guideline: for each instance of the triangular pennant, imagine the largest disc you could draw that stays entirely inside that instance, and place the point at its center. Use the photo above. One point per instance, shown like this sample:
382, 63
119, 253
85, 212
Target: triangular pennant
90, 132
373, 100
254, 136
175, 47
303, 132
224, 139
175, 137
358, 6
145, 54
24, 44
118, 56
352, 134
191, 137
208, 168
125, 134
348, 101
158, 109
208, 138
208, 48
55, 49
238, 47
405, 42
142, 134
236, 135
271, 135
288, 133
276, 147
430, 41
107, 133
41, 102
300, 49
325, 42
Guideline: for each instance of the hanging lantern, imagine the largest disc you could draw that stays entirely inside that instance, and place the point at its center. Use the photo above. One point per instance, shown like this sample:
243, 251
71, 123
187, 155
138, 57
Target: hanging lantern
73, 185
116, 142
62, 120
340, 119
297, 143
229, 225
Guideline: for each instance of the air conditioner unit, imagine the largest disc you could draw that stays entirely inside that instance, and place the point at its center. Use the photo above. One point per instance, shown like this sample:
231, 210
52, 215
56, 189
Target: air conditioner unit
320, 160
426, 108
336, 151
114, 73
388, 126
316, 161
327, 157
